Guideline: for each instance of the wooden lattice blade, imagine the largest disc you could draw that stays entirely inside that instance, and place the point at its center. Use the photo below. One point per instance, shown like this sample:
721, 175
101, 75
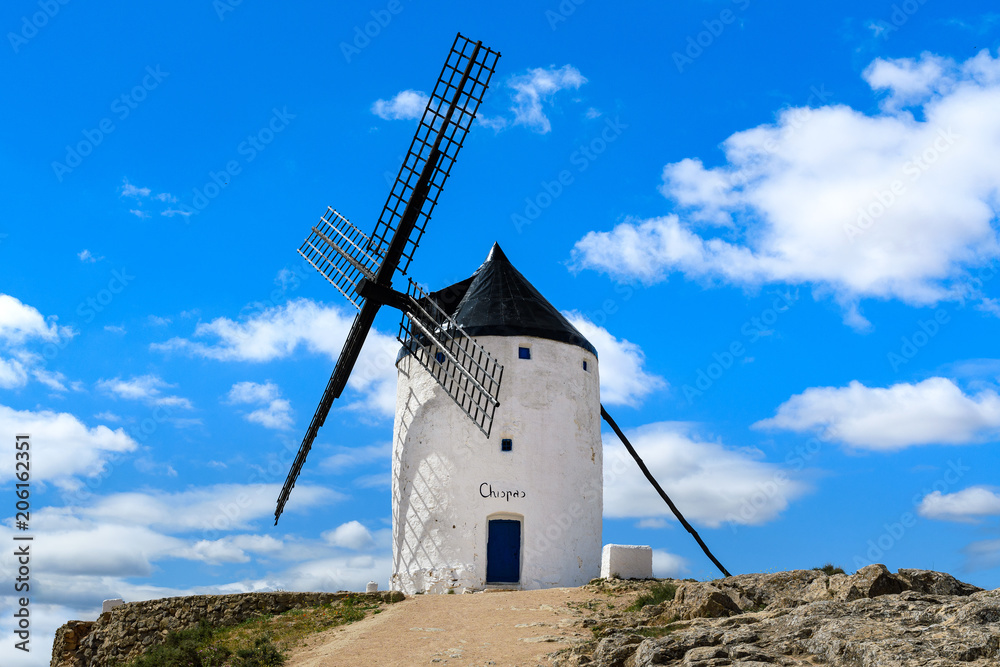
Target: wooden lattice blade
444, 125
340, 252
463, 367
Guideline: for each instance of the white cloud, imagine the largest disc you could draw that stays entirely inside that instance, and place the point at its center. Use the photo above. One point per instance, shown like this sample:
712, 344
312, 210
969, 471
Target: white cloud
350, 535
495, 123
232, 549
20, 322
538, 87
890, 205
982, 555
347, 457
145, 388
967, 505
142, 194
276, 412
276, 333
406, 105
171, 212
65, 448
52, 379
211, 509
623, 378
381, 480
13, 374
87, 257
157, 321
129, 190
934, 411
115, 328
150, 466
105, 549
276, 415
253, 392
532, 92
668, 565
909, 81
709, 483
20, 326
85, 592
342, 573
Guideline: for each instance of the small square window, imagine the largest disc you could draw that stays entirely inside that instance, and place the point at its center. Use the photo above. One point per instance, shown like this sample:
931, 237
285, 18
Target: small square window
524, 353
506, 445
584, 364
440, 357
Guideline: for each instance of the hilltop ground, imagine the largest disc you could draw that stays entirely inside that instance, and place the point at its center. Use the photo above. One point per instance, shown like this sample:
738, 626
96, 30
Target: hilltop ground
496, 628
801, 618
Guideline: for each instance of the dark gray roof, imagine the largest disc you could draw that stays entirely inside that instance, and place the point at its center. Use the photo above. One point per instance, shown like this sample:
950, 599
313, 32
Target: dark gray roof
498, 301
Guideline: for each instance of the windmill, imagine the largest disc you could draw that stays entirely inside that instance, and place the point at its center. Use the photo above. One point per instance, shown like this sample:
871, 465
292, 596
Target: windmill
455, 345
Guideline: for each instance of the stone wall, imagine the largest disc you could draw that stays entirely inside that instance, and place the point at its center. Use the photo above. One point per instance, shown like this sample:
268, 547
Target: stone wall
126, 631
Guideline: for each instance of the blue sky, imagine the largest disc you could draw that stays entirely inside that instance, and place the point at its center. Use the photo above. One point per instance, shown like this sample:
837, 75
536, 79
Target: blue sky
776, 222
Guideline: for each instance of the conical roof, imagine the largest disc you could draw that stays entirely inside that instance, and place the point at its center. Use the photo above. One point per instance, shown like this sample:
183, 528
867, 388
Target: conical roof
498, 301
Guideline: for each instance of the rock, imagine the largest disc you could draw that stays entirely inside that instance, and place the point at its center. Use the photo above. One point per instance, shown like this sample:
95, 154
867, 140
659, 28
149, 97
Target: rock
753, 592
935, 583
613, 651
69, 638
701, 601
868, 582
872, 618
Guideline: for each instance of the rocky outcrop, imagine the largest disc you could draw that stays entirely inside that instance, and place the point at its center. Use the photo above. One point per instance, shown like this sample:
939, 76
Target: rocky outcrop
873, 618
123, 633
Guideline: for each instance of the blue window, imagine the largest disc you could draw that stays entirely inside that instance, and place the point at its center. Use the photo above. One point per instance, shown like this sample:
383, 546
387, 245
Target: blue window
506, 445
524, 353
440, 357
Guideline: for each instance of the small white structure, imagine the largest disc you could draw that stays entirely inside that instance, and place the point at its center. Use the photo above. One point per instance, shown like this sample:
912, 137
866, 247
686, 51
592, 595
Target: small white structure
522, 508
111, 604
626, 561
372, 587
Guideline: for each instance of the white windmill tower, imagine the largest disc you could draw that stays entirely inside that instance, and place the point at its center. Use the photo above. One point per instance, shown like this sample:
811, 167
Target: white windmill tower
518, 507
522, 509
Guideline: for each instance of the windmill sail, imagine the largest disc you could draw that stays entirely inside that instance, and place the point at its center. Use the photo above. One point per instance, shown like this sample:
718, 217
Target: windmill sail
340, 251
460, 365
445, 122
350, 260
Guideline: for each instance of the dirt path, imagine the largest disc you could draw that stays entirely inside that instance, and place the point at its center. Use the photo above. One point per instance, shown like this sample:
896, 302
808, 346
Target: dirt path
500, 629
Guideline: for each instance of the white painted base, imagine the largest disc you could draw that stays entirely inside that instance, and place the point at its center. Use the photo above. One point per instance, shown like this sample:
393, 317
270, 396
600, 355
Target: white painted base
111, 604
626, 561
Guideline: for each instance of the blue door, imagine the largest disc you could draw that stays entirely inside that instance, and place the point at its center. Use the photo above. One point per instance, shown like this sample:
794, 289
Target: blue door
503, 552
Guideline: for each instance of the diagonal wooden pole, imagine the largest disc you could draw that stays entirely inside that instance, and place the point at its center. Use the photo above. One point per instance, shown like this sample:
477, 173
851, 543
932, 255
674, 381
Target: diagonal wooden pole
659, 489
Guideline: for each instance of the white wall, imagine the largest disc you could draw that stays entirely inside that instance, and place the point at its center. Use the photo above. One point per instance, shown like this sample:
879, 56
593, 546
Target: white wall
550, 408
